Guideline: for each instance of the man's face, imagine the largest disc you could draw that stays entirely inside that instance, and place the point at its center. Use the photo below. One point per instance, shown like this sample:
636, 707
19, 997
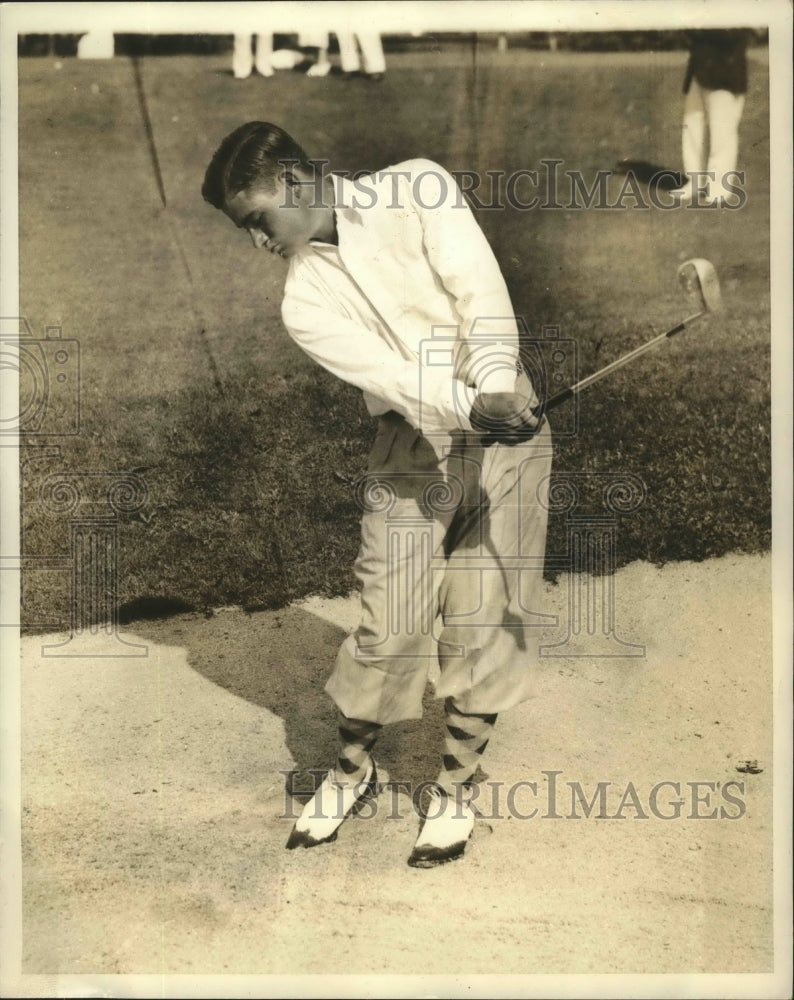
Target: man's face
280, 219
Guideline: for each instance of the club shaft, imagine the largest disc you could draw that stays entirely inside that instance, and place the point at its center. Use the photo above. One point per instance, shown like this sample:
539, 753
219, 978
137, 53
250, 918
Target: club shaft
565, 394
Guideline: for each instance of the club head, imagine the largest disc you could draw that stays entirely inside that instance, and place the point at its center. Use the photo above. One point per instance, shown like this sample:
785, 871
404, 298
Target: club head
700, 283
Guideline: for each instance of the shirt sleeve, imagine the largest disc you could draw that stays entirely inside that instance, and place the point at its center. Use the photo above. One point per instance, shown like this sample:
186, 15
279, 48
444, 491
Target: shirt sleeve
425, 396
461, 256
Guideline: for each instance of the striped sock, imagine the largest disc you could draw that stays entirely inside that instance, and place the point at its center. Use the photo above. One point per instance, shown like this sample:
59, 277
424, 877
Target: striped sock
357, 737
466, 740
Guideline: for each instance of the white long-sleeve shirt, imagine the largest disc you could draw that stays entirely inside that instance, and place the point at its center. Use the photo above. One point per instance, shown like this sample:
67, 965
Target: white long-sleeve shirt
411, 306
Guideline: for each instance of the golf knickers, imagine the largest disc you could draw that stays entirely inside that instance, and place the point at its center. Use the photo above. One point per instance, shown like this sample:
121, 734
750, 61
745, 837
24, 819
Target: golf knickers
450, 572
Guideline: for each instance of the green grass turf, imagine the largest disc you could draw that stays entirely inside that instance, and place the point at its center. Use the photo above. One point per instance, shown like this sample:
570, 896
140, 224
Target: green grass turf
248, 473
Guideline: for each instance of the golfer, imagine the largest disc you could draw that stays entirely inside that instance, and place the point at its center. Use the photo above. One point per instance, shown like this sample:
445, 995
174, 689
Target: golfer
393, 287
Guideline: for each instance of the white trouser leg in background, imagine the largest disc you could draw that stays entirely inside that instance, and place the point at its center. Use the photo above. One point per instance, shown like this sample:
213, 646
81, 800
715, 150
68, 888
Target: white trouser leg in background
243, 57
264, 54
693, 135
724, 113
348, 52
372, 57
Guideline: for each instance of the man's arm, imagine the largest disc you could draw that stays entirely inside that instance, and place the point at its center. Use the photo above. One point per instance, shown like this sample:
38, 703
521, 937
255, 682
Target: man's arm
461, 256
427, 397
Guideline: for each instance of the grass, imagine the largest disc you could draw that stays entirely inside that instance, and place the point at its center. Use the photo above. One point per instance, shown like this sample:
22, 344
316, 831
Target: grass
249, 480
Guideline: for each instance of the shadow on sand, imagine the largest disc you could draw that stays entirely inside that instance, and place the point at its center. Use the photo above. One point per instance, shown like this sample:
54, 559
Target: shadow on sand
280, 660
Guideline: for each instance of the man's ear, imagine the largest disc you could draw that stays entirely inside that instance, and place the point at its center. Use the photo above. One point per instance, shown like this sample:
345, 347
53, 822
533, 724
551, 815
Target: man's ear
292, 186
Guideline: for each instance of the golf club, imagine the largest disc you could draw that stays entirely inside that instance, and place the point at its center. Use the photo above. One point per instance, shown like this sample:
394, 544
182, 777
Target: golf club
701, 285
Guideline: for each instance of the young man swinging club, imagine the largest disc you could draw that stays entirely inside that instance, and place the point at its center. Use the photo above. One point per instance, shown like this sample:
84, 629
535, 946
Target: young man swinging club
373, 274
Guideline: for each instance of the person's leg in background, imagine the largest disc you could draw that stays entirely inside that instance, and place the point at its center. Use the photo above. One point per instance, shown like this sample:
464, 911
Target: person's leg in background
724, 114
348, 52
317, 40
372, 59
321, 65
242, 57
694, 138
264, 54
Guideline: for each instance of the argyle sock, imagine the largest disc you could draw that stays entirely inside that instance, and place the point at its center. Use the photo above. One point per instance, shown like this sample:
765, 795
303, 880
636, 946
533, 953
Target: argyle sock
466, 739
357, 737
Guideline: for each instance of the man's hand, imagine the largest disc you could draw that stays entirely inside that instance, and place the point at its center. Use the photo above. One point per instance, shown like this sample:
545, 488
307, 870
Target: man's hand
503, 418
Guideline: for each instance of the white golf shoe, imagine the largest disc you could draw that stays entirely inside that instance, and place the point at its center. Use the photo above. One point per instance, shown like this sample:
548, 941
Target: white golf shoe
329, 807
449, 822
319, 69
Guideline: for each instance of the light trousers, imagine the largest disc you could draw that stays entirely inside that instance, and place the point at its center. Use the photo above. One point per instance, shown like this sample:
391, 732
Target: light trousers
710, 136
243, 56
450, 572
372, 59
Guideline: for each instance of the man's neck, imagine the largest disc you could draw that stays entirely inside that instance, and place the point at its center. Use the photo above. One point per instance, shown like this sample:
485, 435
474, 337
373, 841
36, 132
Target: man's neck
328, 231
328, 234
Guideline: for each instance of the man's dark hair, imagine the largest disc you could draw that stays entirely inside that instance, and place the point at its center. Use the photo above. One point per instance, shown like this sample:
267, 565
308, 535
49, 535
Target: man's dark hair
254, 153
